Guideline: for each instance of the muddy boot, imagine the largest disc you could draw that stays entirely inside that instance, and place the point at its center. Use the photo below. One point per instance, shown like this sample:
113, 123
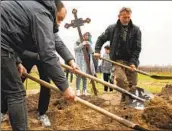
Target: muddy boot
122, 98
125, 100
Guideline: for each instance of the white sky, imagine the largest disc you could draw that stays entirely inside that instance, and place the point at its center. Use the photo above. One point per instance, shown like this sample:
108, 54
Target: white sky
153, 17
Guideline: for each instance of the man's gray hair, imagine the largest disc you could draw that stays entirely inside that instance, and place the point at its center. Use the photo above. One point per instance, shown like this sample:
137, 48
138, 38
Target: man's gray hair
125, 9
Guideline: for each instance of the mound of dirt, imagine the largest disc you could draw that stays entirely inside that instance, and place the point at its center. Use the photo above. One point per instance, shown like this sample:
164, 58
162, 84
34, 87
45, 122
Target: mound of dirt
66, 116
158, 112
166, 93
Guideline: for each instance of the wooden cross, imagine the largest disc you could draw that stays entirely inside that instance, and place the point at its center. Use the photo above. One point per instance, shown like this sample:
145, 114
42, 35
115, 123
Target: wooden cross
77, 23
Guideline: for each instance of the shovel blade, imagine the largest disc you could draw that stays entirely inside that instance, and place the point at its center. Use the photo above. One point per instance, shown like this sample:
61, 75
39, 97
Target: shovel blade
161, 77
140, 92
137, 105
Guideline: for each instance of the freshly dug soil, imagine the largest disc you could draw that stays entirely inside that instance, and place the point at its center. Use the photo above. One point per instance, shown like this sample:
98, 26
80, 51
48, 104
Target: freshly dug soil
158, 111
65, 115
166, 93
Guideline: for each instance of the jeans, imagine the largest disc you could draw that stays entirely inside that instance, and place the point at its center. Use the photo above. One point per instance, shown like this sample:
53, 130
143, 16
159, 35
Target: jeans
12, 92
78, 81
45, 93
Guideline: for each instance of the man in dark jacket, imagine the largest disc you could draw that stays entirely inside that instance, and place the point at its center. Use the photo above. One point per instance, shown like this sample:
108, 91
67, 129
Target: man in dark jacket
28, 25
125, 45
62, 50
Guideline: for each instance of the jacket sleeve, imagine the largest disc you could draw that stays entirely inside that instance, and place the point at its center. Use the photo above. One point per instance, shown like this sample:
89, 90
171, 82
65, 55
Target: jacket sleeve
136, 49
30, 55
42, 29
62, 50
104, 37
78, 46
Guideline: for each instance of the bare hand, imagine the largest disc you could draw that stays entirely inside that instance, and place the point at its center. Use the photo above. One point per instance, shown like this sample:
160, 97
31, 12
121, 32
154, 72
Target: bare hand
69, 94
97, 55
133, 67
73, 65
21, 69
85, 43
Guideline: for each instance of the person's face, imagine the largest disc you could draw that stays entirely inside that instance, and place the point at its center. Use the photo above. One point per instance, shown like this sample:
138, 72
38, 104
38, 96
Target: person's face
86, 37
61, 15
107, 51
124, 17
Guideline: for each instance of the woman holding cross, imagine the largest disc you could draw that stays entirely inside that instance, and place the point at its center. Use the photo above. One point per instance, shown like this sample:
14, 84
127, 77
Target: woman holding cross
81, 62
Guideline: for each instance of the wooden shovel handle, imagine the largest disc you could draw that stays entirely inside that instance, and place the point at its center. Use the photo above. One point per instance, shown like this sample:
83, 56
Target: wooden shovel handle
86, 103
103, 82
125, 66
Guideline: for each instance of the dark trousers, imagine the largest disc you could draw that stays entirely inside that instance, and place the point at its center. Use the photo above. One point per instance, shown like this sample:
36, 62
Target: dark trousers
106, 77
12, 92
71, 75
44, 97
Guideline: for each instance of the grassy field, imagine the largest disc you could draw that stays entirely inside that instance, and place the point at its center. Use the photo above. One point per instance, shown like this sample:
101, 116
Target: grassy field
145, 82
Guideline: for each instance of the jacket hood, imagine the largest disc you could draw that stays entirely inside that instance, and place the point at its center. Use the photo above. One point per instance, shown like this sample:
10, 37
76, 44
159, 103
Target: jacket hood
51, 7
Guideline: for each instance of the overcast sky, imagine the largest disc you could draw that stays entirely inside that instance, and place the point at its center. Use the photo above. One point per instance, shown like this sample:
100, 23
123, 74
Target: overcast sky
153, 17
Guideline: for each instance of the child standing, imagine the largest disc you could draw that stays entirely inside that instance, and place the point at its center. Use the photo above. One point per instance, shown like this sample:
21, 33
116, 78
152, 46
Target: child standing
106, 67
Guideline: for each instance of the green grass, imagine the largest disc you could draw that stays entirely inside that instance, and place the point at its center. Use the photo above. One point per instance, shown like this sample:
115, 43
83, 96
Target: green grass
152, 85
145, 82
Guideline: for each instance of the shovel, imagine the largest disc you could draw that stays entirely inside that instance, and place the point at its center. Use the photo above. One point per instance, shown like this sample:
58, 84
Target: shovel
92, 106
103, 82
139, 71
140, 98
140, 92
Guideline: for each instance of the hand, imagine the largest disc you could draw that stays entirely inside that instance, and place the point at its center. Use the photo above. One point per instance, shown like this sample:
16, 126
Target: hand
21, 69
97, 55
133, 67
74, 66
85, 43
69, 94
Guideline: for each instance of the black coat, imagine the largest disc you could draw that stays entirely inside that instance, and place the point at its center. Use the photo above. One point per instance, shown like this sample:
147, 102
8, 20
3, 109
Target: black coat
30, 25
133, 43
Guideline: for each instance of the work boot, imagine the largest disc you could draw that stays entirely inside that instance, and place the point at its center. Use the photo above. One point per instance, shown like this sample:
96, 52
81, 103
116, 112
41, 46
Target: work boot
122, 98
4, 117
125, 100
44, 120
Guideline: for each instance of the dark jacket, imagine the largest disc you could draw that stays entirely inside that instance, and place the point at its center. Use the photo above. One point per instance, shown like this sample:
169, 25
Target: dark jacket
133, 44
30, 25
60, 47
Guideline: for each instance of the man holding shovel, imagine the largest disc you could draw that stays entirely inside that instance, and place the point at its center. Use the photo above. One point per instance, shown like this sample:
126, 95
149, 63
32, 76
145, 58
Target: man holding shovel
125, 45
28, 25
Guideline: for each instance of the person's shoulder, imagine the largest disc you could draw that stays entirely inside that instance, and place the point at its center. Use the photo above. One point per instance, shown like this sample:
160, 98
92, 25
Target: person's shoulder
112, 25
136, 27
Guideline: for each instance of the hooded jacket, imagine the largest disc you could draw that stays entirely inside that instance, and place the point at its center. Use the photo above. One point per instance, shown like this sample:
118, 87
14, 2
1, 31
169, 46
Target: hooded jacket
30, 25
